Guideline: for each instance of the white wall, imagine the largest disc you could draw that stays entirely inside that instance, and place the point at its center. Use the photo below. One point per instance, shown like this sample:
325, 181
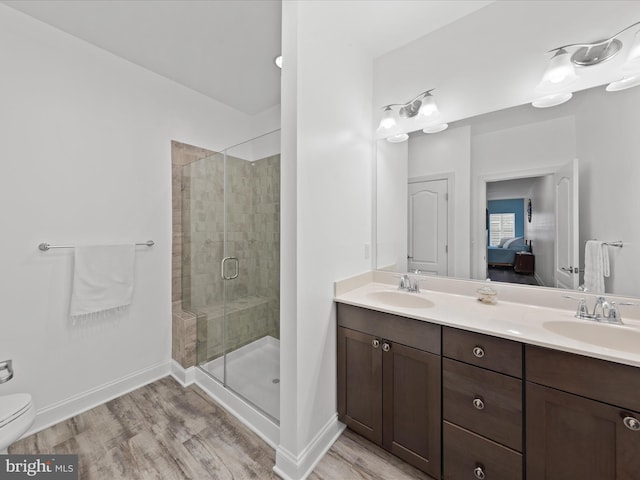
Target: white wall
326, 183
443, 153
87, 159
391, 206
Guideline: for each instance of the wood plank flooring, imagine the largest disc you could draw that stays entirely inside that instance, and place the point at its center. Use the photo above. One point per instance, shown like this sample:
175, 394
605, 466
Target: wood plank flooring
164, 431
509, 275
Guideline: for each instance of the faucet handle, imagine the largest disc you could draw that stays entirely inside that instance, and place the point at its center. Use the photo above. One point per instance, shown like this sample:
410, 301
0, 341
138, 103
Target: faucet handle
581, 311
614, 312
405, 281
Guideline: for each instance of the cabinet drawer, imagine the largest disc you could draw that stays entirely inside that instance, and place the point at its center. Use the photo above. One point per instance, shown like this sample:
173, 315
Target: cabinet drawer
499, 354
608, 382
465, 452
482, 401
407, 331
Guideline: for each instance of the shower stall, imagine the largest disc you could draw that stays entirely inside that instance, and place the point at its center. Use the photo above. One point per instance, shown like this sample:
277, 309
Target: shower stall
231, 267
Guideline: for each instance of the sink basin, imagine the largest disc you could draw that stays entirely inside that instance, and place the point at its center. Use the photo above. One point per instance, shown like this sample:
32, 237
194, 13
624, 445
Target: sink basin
400, 299
615, 337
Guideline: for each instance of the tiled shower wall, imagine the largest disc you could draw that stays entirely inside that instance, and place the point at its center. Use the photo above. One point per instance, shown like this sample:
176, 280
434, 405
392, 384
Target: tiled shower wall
253, 236
183, 348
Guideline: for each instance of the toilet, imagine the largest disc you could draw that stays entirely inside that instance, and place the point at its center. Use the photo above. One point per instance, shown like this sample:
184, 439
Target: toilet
17, 414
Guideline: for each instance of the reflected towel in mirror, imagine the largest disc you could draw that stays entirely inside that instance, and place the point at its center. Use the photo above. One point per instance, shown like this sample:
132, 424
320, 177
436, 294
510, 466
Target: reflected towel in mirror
596, 266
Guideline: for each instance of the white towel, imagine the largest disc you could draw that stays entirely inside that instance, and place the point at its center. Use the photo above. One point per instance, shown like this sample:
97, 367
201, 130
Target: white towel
596, 266
102, 279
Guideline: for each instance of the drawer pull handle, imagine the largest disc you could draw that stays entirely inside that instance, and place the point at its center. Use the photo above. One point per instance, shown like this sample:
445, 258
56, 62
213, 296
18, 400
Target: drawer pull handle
375, 343
478, 403
631, 423
478, 351
386, 347
478, 472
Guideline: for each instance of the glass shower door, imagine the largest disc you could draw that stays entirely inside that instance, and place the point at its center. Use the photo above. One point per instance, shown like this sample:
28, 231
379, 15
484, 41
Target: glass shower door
231, 267
251, 271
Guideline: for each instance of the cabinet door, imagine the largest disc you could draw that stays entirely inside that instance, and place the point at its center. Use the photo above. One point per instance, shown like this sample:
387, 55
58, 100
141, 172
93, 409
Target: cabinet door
360, 383
411, 399
571, 437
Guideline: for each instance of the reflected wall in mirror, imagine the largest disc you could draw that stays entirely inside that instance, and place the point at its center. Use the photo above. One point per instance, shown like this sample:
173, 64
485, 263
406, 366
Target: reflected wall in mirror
515, 153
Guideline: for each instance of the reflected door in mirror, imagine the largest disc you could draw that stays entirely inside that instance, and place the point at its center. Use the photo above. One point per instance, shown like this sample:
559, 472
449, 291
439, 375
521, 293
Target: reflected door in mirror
567, 242
428, 224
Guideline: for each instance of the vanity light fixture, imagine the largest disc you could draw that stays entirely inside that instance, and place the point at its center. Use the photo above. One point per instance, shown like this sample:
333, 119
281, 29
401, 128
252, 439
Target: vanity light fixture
420, 113
552, 100
398, 138
440, 127
624, 83
561, 71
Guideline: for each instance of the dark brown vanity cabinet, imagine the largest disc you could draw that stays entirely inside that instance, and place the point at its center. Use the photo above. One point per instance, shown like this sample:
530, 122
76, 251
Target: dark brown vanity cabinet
582, 417
389, 383
495, 409
481, 406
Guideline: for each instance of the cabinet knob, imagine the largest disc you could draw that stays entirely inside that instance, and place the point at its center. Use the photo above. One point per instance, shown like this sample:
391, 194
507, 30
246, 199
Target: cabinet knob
375, 343
478, 472
386, 347
478, 403
478, 351
631, 423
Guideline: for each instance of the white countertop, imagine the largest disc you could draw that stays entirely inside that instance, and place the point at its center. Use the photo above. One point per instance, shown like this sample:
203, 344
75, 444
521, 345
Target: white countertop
511, 320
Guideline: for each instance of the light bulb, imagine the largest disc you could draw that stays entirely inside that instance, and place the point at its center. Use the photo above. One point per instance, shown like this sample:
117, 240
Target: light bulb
388, 121
428, 107
559, 73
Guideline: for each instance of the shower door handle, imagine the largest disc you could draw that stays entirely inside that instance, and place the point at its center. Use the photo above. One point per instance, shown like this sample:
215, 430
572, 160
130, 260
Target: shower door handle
222, 269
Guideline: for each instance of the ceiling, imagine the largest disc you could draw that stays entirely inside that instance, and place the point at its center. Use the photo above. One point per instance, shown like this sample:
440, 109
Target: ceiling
225, 49
222, 49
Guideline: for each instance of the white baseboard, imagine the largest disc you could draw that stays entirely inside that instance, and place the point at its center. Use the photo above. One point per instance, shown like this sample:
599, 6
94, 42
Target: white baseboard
297, 467
60, 411
184, 376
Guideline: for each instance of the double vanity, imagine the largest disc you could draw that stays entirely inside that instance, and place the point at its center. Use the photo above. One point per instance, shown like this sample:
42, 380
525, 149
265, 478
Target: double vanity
464, 390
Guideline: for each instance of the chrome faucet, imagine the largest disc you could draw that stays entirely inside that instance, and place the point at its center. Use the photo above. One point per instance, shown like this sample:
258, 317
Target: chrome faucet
409, 285
603, 310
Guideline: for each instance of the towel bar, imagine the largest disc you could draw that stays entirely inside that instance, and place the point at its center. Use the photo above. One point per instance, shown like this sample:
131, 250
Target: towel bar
619, 243
615, 244
45, 246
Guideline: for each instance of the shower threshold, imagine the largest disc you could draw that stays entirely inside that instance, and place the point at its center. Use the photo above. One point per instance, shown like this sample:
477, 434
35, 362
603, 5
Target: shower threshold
253, 372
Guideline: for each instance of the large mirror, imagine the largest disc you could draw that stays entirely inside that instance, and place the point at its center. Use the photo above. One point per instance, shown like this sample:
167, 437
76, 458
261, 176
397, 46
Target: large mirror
515, 193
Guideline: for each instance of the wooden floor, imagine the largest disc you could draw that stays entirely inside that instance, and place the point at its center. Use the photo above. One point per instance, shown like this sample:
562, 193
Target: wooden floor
508, 274
164, 431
